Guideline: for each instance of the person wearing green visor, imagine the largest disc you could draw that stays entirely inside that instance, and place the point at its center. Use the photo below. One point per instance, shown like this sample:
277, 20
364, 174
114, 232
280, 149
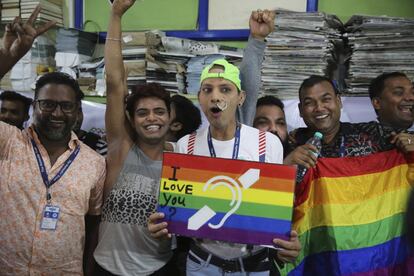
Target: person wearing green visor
220, 96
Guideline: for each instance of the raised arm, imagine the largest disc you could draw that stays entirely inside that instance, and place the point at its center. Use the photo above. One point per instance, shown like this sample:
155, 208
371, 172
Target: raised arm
115, 118
261, 25
18, 39
116, 123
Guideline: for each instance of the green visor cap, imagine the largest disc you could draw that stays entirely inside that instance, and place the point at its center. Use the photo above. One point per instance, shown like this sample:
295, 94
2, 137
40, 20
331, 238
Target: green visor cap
231, 72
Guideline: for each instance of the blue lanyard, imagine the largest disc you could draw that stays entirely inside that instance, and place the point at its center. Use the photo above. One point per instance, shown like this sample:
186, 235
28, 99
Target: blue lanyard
60, 173
236, 142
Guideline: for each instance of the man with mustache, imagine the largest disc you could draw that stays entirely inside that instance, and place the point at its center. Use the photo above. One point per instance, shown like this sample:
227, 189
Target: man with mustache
320, 107
270, 116
49, 182
392, 97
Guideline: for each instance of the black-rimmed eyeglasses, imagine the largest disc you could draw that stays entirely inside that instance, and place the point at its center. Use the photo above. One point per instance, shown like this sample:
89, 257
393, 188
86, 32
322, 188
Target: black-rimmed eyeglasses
50, 106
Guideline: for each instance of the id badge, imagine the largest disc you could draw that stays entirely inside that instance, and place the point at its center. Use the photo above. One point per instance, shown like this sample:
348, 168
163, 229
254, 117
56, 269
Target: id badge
50, 218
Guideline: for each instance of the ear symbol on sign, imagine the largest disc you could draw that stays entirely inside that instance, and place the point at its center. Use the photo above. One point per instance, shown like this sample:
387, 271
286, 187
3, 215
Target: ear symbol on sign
235, 191
203, 215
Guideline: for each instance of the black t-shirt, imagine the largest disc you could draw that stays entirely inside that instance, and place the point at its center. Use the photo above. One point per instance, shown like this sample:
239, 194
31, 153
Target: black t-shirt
95, 142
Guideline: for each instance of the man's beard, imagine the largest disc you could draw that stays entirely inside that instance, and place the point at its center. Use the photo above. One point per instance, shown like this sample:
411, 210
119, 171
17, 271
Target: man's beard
54, 134
57, 135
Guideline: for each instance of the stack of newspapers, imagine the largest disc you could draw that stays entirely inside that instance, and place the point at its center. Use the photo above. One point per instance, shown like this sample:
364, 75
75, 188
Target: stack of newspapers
135, 45
76, 42
167, 64
9, 10
134, 60
167, 69
196, 64
378, 44
177, 63
302, 44
51, 10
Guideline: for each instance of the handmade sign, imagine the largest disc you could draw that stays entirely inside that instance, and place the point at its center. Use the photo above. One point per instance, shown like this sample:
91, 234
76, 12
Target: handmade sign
223, 199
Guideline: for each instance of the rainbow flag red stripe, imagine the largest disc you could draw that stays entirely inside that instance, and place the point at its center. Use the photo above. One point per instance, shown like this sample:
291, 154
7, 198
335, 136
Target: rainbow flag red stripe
349, 215
266, 206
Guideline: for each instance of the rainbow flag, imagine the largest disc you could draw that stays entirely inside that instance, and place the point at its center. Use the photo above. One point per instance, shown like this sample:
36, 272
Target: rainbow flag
229, 200
349, 215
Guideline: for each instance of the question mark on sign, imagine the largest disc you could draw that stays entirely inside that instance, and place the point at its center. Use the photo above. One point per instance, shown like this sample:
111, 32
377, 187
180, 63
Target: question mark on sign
172, 210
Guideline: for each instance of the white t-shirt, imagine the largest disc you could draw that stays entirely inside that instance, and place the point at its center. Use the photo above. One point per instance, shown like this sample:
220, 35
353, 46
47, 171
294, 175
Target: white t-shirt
249, 145
248, 150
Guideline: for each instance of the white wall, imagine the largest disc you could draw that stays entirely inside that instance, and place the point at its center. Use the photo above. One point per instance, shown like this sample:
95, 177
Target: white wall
222, 12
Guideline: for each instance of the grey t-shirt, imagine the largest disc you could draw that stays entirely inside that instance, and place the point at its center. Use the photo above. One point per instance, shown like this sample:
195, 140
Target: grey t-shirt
125, 245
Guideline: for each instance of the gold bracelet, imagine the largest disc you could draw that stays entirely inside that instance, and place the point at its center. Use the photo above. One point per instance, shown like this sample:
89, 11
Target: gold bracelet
114, 39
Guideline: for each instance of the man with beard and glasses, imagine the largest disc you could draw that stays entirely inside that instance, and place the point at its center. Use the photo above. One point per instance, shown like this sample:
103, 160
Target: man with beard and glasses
49, 181
43, 233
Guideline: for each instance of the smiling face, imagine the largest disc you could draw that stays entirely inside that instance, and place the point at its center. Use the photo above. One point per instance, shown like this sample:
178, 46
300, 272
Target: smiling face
151, 120
55, 125
394, 105
320, 108
219, 99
